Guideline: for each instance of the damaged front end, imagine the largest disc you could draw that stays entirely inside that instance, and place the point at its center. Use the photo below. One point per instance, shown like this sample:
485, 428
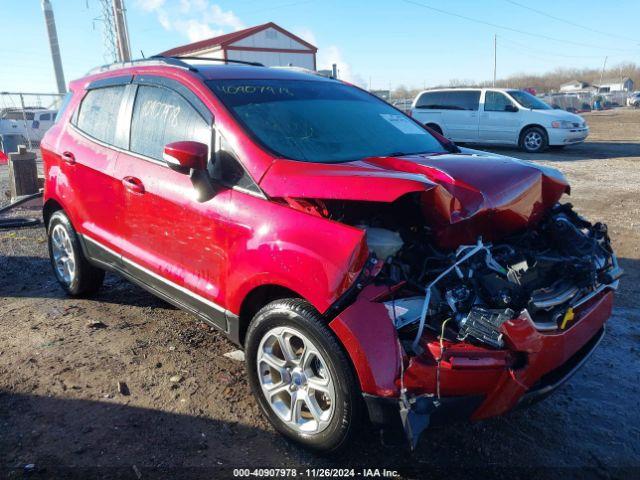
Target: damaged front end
481, 291
477, 328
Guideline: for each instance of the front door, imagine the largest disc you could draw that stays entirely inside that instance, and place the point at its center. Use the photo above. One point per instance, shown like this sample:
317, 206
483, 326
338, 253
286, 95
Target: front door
176, 244
500, 119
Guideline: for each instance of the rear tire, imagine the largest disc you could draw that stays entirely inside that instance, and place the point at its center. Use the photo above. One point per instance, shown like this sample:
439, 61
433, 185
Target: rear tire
302, 377
534, 140
73, 271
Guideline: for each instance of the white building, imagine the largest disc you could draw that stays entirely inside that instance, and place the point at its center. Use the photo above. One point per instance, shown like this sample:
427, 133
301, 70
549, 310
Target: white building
575, 86
268, 44
616, 85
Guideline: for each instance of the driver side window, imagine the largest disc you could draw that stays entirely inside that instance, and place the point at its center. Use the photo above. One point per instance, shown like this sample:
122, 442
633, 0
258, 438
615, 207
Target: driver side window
161, 116
496, 102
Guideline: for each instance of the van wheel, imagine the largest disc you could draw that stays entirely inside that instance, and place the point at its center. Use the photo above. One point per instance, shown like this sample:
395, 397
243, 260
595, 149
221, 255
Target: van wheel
76, 275
301, 376
434, 127
534, 140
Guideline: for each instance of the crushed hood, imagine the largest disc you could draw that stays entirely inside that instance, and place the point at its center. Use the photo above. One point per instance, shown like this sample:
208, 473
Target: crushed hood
462, 195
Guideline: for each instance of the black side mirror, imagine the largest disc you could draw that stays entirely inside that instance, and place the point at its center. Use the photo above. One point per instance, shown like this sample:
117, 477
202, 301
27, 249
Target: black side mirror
510, 108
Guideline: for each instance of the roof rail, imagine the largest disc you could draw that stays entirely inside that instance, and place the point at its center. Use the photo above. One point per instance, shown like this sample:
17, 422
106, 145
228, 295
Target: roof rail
209, 59
155, 60
171, 61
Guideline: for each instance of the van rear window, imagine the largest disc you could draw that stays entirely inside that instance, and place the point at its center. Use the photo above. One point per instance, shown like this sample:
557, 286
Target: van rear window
449, 100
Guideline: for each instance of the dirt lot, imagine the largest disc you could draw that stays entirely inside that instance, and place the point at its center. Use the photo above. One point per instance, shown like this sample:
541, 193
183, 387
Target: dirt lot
61, 361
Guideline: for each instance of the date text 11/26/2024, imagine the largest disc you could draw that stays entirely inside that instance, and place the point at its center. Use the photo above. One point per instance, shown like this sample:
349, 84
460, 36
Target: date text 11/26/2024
316, 472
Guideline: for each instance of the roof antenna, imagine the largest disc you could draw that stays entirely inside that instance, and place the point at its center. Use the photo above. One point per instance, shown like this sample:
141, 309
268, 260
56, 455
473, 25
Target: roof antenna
142, 53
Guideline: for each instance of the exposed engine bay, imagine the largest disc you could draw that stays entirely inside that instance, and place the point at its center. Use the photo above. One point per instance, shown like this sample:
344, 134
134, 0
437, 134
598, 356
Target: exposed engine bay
481, 291
467, 294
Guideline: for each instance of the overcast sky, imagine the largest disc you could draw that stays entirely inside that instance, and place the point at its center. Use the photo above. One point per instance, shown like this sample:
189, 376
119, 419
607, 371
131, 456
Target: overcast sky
387, 43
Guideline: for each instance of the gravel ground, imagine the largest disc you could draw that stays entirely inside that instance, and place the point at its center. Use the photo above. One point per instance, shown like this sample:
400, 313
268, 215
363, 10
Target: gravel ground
189, 411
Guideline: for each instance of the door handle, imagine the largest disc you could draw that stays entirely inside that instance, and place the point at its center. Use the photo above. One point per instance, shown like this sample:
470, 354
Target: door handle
133, 184
69, 157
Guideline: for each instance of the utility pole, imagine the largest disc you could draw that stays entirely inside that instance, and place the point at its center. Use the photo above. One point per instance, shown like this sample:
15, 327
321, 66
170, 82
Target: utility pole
54, 45
604, 65
122, 31
108, 31
495, 58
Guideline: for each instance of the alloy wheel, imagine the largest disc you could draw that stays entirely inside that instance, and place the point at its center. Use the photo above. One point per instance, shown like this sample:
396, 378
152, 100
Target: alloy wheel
533, 140
295, 380
63, 255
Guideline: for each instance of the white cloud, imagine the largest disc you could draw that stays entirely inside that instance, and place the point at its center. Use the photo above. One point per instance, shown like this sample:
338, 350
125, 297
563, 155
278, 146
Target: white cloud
187, 6
306, 34
217, 16
196, 19
332, 54
150, 5
163, 18
196, 30
328, 55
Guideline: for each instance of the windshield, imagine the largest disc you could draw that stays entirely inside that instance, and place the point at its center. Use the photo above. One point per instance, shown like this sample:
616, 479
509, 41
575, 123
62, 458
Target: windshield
322, 121
528, 101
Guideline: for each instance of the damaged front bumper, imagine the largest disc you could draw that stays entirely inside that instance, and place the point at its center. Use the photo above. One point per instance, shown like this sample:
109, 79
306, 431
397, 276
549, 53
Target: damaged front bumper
463, 381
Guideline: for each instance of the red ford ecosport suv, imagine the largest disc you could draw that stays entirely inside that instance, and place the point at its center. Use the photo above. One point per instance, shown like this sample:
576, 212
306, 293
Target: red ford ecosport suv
367, 266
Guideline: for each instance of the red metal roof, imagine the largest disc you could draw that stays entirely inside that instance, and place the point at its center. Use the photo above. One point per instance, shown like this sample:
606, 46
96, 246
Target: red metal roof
229, 38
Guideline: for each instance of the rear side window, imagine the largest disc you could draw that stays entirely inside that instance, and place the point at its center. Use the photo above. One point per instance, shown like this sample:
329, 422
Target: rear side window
45, 117
450, 100
98, 115
162, 116
19, 115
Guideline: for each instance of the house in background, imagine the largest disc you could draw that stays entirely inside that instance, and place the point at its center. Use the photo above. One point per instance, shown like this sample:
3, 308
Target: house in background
616, 85
576, 86
268, 44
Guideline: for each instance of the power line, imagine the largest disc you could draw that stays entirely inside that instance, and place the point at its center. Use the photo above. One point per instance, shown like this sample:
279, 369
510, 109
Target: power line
275, 7
548, 53
515, 30
569, 22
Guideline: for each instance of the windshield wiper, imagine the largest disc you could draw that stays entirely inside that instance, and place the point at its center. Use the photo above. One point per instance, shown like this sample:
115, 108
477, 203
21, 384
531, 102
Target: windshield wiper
399, 154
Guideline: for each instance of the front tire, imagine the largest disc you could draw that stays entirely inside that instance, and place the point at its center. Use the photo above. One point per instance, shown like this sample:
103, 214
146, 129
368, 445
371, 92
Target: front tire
534, 140
73, 271
301, 376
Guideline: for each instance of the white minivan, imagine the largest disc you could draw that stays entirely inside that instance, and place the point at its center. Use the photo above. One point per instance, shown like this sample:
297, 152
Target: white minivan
33, 123
497, 116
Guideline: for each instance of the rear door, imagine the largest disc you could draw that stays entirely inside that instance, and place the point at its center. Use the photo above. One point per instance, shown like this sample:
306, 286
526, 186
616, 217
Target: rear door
428, 109
500, 119
174, 244
461, 114
455, 111
88, 152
